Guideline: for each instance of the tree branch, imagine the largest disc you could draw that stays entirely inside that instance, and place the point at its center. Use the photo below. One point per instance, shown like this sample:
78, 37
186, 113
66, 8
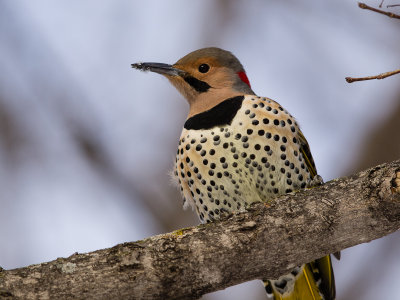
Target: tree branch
386, 13
264, 242
380, 76
386, 74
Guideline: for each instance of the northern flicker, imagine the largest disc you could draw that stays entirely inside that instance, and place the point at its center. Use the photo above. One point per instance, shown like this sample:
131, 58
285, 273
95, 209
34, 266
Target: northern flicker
237, 148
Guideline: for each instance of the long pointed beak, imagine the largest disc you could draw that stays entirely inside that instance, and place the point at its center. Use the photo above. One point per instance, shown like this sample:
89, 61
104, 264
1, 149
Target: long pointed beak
163, 69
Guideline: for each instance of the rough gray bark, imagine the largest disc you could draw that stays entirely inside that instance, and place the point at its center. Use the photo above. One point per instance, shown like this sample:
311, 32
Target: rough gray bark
265, 242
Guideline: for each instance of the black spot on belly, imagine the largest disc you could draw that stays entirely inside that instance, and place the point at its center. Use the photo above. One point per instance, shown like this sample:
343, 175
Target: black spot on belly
281, 283
268, 288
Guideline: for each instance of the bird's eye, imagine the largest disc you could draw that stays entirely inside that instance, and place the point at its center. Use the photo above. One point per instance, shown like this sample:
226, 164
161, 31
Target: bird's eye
203, 68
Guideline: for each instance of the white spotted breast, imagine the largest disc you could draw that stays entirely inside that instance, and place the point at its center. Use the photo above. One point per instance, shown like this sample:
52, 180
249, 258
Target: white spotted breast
255, 157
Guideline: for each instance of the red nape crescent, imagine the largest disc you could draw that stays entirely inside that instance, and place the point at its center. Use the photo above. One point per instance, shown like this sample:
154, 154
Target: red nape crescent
243, 77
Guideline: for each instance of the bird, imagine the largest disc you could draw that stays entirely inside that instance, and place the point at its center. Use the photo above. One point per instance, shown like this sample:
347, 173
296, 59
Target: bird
237, 148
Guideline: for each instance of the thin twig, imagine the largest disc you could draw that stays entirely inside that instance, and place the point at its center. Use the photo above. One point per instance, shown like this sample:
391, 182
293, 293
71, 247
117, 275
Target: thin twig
380, 76
380, 5
386, 13
393, 5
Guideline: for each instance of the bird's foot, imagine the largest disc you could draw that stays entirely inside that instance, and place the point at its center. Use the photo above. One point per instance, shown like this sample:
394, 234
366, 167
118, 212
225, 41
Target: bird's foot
316, 181
395, 183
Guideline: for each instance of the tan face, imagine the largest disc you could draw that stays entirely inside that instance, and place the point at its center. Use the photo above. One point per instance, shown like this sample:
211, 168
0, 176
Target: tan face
209, 70
220, 79
205, 77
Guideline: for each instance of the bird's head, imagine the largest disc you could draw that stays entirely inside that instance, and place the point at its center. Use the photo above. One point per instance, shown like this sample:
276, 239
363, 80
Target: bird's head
205, 77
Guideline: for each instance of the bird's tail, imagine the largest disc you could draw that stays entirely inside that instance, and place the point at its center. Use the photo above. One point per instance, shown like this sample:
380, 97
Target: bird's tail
312, 281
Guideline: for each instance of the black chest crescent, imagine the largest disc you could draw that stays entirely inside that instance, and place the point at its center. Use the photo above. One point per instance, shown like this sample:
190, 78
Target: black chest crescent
220, 115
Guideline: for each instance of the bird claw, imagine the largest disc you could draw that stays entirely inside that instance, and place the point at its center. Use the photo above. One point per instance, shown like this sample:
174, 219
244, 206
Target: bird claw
316, 181
224, 214
266, 204
395, 183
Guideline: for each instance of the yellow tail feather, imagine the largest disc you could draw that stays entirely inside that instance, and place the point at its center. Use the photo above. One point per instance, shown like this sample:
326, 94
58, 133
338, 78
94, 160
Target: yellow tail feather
303, 285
